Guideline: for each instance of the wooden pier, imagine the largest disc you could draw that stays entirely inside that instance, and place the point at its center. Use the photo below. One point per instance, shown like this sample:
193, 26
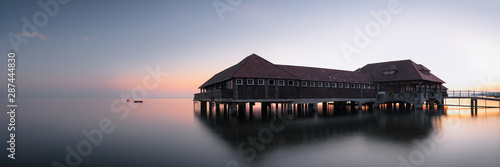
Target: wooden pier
474, 96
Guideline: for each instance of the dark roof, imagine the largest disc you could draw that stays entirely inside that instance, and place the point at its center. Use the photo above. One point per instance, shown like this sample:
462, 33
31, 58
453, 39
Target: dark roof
323, 74
257, 67
252, 66
421, 67
406, 70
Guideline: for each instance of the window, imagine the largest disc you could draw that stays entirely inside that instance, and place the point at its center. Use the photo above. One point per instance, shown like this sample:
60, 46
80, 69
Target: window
260, 82
271, 82
352, 86
364, 86
281, 82
358, 86
304, 83
312, 84
290, 83
389, 72
327, 84
341, 85
239, 81
334, 85
373, 86
297, 83
249, 81
320, 84
346, 85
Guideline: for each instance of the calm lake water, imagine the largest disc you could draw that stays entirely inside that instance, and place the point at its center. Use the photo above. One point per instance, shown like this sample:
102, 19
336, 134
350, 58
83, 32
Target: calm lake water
168, 132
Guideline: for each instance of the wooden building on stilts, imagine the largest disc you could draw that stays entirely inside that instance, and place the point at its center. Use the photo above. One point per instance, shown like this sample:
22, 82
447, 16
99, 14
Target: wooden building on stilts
296, 88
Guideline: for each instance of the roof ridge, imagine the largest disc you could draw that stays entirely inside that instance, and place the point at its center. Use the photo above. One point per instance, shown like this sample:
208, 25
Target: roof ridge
436, 77
230, 74
274, 65
390, 62
420, 73
243, 62
278, 66
315, 67
415, 68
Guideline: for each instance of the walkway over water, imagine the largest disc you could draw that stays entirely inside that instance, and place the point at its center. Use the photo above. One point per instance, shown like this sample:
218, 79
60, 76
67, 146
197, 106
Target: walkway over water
473, 96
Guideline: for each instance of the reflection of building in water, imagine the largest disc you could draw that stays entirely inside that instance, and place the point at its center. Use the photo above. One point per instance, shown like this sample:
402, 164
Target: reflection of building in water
395, 85
295, 130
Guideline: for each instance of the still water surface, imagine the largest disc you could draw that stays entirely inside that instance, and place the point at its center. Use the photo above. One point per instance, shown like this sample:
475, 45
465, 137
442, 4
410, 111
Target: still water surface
168, 132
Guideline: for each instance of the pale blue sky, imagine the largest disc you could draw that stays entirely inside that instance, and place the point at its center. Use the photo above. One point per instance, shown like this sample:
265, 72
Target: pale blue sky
90, 45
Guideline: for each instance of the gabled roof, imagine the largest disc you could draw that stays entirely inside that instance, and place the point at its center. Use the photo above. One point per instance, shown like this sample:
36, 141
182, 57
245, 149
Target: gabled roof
406, 70
323, 74
252, 66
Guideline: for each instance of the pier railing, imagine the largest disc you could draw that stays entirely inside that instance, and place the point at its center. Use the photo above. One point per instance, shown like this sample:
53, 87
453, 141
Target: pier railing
226, 93
472, 93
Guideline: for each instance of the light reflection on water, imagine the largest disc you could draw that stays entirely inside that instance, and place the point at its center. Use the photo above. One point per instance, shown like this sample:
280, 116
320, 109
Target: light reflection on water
166, 132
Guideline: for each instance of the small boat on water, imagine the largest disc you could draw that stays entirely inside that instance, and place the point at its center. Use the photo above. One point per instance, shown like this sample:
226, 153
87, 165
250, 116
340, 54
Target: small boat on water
135, 101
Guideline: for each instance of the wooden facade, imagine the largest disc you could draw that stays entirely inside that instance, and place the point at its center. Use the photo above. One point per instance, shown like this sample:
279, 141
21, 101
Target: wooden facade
275, 91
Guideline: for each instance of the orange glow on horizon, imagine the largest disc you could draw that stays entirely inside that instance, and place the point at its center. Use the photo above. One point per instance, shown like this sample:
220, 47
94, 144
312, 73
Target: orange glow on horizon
174, 85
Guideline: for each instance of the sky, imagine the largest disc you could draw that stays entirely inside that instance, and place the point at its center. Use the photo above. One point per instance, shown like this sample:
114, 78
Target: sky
102, 48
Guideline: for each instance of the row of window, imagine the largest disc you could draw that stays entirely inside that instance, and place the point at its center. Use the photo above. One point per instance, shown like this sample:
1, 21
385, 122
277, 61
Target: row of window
305, 84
